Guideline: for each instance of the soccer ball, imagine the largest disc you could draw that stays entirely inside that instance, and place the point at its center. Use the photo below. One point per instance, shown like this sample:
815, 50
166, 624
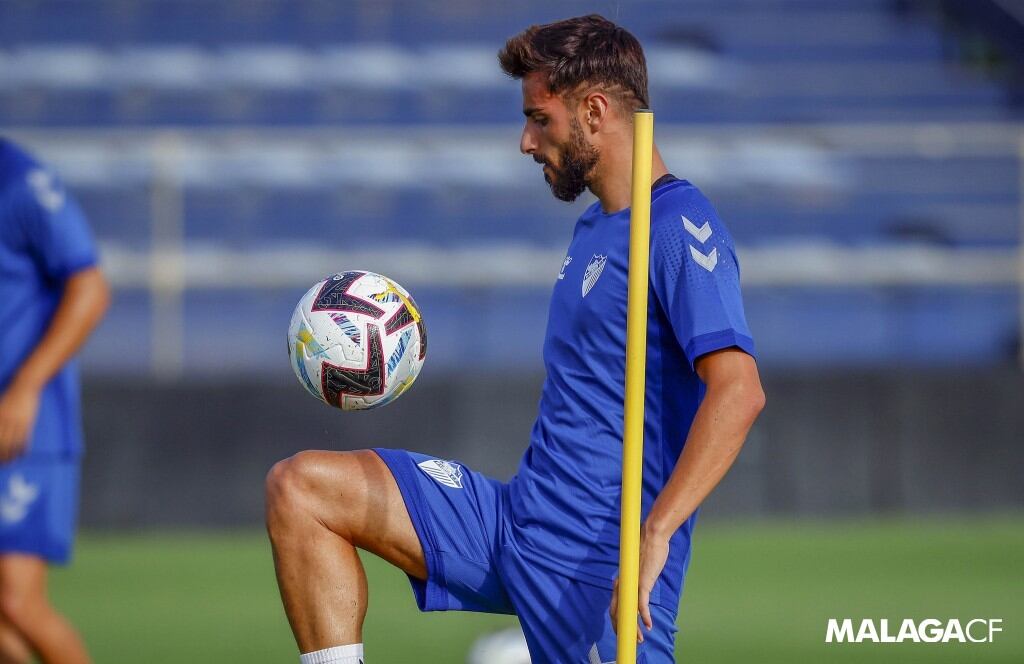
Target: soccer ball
357, 340
505, 647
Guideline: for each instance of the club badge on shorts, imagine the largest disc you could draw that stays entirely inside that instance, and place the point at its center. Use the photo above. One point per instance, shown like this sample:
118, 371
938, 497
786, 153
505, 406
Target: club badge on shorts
443, 472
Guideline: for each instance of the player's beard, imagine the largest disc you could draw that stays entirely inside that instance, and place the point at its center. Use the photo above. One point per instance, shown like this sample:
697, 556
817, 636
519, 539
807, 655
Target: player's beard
577, 159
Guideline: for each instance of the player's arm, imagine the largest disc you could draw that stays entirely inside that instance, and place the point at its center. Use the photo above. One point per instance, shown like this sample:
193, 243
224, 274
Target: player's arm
54, 232
85, 299
732, 402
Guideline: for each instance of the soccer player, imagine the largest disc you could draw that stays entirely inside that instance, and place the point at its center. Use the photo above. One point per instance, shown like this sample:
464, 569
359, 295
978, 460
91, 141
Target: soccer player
545, 545
52, 294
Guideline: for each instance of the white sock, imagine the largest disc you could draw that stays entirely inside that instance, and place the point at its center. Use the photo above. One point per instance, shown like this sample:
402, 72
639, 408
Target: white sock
352, 654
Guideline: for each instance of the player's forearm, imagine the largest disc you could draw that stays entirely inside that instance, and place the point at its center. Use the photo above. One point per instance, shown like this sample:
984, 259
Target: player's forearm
717, 434
82, 305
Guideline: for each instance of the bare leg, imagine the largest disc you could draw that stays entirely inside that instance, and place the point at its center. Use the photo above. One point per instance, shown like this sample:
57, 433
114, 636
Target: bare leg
24, 606
320, 507
13, 649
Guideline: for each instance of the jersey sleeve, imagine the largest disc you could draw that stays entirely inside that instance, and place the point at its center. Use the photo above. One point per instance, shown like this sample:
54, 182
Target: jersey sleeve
55, 229
695, 275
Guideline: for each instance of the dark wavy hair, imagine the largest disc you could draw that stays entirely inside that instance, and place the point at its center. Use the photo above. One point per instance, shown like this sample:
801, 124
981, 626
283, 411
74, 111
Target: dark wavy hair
577, 52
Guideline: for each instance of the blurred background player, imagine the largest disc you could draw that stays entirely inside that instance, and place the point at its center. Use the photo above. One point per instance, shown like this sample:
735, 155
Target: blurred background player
52, 295
545, 545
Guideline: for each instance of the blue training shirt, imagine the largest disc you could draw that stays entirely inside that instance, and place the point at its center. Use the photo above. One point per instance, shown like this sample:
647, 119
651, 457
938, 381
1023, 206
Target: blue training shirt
565, 497
44, 239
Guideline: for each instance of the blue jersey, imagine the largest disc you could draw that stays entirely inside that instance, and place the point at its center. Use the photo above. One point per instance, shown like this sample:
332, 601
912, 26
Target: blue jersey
44, 239
565, 497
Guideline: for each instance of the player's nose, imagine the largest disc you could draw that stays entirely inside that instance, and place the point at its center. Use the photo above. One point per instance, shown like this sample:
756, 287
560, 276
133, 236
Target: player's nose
527, 144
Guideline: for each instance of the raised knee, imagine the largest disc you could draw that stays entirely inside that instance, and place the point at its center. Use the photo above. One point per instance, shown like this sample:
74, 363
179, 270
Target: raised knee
284, 484
291, 486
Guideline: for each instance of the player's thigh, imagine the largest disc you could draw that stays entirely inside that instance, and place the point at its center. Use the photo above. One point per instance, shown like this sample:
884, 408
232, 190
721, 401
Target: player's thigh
354, 495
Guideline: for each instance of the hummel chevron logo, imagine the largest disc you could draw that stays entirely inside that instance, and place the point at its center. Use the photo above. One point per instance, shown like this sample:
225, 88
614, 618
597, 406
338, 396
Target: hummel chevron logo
707, 262
702, 233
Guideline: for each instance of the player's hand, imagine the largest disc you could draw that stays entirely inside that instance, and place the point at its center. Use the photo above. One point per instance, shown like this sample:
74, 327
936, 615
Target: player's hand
653, 556
613, 611
18, 408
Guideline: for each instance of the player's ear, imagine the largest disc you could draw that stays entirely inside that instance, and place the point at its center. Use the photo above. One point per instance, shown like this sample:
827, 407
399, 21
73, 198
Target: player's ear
595, 109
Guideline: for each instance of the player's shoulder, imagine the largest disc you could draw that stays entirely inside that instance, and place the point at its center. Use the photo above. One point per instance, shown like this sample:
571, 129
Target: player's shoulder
15, 163
680, 206
678, 197
16, 170
24, 180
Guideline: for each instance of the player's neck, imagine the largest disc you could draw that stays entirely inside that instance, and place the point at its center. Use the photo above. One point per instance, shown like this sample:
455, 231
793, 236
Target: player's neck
611, 181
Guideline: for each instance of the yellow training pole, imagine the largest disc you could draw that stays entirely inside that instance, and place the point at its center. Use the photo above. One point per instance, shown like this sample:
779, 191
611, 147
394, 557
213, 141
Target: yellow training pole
636, 364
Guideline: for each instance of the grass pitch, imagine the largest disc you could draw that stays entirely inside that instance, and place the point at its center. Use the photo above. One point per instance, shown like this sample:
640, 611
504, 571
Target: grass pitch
757, 592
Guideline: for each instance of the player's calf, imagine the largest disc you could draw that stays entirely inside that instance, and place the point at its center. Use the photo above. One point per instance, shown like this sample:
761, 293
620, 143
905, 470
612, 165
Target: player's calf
25, 608
13, 648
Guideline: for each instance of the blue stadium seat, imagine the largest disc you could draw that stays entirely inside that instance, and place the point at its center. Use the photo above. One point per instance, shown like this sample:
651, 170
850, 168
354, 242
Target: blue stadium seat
276, 63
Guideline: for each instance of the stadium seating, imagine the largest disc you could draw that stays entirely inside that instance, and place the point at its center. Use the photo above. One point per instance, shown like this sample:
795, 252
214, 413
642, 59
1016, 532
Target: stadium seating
406, 69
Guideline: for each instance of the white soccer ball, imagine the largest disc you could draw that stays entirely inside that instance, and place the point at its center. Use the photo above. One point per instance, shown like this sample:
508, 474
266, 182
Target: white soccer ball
357, 340
505, 647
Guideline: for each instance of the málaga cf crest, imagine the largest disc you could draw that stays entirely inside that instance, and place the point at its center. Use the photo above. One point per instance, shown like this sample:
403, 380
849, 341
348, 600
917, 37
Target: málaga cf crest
593, 272
447, 473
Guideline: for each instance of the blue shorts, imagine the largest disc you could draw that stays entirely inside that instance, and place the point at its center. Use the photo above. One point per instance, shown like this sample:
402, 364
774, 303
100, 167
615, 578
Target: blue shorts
39, 507
473, 564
